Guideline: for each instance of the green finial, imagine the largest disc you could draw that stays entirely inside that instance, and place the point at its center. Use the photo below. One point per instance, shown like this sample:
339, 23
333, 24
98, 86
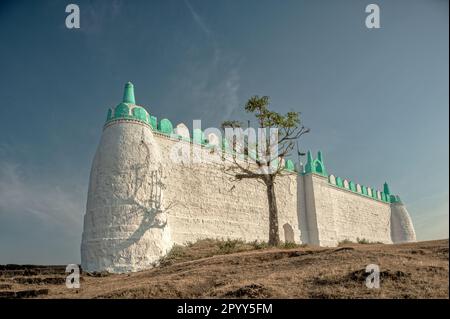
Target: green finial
386, 189
128, 94
309, 163
319, 166
309, 158
395, 199
127, 109
289, 165
319, 156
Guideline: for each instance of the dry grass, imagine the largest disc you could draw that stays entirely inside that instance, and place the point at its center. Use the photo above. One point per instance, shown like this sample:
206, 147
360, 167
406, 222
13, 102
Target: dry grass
212, 247
234, 269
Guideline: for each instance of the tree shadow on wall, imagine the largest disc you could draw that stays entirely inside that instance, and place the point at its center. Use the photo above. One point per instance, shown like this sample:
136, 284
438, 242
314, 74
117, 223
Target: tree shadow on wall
151, 208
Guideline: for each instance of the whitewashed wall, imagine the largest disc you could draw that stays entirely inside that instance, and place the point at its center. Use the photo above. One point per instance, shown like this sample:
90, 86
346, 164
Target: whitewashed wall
337, 214
402, 229
141, 202
207, 203
125, 228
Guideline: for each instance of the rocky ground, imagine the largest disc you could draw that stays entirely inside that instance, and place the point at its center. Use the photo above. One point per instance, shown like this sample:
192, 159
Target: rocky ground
232, 269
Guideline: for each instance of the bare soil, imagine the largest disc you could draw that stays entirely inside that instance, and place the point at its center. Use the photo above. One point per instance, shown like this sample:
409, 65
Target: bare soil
232, 269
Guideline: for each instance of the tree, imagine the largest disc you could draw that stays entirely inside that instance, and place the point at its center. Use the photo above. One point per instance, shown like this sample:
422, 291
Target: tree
232, 124
266, 165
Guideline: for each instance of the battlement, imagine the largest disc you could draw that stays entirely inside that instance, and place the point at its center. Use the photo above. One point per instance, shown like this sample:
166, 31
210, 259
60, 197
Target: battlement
317, 166
127, 110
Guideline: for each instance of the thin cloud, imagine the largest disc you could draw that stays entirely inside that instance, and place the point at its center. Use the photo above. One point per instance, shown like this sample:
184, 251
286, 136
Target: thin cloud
36, 197
208, 86
198, 20
94, 16
209, 83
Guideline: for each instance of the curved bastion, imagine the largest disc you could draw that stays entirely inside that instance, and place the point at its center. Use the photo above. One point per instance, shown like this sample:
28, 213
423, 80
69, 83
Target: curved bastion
141, 202
125, 226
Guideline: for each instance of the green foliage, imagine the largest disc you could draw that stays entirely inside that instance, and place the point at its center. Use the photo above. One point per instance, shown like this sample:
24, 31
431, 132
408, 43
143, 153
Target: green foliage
289, 245
232, 124
345, 242
260, 107
177, 252
231, 246
289, 130
363, 241
259, 244
288, 125
205, 248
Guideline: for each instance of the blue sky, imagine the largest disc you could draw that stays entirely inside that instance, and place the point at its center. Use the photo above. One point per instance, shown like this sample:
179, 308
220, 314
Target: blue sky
376, 100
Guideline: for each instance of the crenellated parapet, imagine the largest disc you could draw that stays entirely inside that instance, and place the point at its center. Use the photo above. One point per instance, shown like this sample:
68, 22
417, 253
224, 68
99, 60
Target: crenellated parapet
317, 166
129, 111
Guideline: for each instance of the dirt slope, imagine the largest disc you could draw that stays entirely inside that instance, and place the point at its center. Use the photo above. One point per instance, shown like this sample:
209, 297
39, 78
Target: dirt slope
418, 270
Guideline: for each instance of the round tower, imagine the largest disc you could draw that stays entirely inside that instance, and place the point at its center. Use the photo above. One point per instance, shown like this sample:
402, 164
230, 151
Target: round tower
402, 228
125, 225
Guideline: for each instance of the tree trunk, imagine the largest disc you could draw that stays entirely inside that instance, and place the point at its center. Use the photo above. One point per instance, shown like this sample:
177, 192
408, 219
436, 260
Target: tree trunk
274, 237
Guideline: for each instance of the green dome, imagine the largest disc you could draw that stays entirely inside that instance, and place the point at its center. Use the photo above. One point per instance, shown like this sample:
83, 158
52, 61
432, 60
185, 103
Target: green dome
165, 126
122, 110
127, 109
140, 113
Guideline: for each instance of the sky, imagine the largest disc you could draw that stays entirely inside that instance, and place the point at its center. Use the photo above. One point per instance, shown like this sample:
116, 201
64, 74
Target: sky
376, 100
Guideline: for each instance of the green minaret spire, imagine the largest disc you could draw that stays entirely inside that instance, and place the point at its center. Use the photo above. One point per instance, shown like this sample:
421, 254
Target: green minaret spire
309, 163
309, 158
386, 189
128, 94
319, 156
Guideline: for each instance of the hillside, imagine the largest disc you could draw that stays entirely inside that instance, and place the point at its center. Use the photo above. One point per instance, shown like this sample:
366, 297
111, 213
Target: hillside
230, 269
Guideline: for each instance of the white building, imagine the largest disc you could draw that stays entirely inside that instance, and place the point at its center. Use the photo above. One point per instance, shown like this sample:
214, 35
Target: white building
141, 201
